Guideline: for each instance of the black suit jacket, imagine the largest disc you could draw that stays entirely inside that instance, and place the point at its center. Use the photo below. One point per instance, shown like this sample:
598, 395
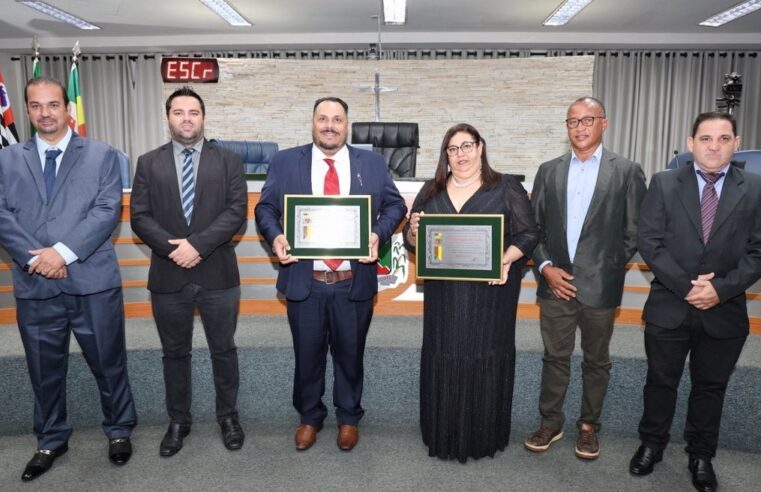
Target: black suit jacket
609, 234
219, 211
671, 242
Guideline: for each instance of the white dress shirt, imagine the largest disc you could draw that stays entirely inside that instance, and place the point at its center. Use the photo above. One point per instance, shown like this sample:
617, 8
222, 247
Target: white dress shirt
319, 170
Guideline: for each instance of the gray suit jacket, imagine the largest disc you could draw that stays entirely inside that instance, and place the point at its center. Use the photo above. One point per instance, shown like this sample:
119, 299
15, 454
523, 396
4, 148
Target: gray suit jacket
609, 234
82, 214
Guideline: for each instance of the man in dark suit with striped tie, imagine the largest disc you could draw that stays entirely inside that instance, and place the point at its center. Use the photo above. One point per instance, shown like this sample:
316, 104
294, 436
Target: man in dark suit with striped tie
188, 200
700, 233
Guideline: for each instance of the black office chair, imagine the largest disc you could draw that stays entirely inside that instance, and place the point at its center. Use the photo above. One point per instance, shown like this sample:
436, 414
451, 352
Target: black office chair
398, 142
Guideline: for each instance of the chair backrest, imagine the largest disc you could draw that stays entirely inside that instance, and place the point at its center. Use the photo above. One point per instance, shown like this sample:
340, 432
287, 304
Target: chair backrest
256, 155
750, 160
680, 160
397, 142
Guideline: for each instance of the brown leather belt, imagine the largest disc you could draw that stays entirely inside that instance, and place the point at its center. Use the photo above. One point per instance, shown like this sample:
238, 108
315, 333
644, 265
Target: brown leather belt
330, 277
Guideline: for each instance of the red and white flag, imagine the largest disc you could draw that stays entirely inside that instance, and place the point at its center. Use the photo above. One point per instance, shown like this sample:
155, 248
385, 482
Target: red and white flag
8, 134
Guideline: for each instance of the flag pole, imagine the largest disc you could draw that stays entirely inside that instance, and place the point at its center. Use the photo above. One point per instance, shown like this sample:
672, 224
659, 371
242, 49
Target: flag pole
36, 70
76, 107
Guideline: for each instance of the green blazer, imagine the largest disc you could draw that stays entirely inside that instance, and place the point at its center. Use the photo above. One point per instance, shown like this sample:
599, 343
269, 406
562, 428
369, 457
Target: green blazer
609, 233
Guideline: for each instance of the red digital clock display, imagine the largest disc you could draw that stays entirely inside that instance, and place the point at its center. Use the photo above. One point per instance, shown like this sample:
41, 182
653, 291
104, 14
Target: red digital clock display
198, 70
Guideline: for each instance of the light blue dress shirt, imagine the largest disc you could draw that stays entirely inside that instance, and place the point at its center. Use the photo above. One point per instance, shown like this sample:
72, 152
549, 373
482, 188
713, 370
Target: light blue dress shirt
718, 185
582, 179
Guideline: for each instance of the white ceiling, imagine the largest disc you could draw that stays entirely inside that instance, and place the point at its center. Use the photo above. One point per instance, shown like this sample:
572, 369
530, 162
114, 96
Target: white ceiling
186, 25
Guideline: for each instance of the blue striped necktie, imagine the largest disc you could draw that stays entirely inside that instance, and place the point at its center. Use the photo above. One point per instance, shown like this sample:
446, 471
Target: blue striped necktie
49, 171
188, 185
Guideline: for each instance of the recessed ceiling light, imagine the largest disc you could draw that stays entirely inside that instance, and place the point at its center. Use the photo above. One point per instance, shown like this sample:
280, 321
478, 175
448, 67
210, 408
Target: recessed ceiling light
224, 10
735, 12
395, 12
59, 14
565, 12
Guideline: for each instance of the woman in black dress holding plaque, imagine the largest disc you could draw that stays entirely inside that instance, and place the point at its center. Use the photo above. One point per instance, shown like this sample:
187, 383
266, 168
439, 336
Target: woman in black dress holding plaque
468, 354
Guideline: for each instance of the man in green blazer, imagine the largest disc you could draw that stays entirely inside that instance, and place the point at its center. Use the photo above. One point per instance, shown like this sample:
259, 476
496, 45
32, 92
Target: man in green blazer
586, 204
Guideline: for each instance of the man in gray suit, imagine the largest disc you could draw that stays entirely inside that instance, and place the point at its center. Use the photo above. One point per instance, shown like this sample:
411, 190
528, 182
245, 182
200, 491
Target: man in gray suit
60, 200
586, 204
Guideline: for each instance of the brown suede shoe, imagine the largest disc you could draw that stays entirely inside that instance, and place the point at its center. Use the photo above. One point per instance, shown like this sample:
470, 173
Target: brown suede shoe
540, 441
306, 435
587, 447
348, 436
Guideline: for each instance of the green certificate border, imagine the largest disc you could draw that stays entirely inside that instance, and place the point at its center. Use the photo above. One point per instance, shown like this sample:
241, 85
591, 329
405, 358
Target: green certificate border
361, 201
494, 273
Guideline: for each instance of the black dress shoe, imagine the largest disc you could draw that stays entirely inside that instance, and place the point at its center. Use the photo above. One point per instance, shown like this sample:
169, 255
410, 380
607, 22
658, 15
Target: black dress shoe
703, 476
41, 462
232, 433
644, 460
172, 441
119, 450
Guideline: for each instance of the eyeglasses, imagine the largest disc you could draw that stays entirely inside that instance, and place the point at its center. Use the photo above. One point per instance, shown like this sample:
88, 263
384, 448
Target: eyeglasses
466, 147
586, 121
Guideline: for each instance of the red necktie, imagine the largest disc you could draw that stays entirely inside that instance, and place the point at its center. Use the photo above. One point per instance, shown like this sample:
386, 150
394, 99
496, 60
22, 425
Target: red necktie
331, 187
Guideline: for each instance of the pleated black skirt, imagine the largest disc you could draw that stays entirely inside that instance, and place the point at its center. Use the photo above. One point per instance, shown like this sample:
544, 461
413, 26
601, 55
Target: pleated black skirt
467, 367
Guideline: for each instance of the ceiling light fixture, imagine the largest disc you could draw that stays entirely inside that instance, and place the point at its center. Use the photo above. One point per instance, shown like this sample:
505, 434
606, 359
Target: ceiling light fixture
565, 12
735, 12
394, 12
224, 10
58, 14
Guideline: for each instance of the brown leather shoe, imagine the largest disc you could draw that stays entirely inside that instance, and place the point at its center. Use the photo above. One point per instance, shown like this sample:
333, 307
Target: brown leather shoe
348, 436
306, 435
587, 446
540, 441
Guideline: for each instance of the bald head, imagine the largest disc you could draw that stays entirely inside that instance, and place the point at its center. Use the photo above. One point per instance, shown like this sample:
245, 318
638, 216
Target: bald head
591, 102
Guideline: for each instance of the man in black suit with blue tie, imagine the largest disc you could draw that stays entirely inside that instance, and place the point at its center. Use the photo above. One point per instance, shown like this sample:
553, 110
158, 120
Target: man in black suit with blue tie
60, 200
330, 305
700, 234
189, 199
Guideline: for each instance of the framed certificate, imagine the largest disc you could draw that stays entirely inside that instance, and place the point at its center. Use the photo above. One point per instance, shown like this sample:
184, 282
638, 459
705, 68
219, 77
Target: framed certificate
319, 227
460, 247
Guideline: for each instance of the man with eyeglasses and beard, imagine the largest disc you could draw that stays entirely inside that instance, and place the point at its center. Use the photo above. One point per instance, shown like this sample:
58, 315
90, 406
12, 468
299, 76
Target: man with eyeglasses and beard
586, 204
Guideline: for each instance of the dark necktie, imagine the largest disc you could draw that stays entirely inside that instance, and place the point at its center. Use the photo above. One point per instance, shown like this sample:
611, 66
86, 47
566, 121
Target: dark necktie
709, 202
188, 185
331, 187
49, 171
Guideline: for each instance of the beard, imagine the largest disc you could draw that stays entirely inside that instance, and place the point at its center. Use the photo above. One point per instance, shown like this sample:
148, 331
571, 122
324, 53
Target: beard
187, 138
325, 145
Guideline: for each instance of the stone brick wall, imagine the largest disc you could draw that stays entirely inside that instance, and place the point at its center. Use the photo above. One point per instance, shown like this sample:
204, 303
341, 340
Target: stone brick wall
517, 104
